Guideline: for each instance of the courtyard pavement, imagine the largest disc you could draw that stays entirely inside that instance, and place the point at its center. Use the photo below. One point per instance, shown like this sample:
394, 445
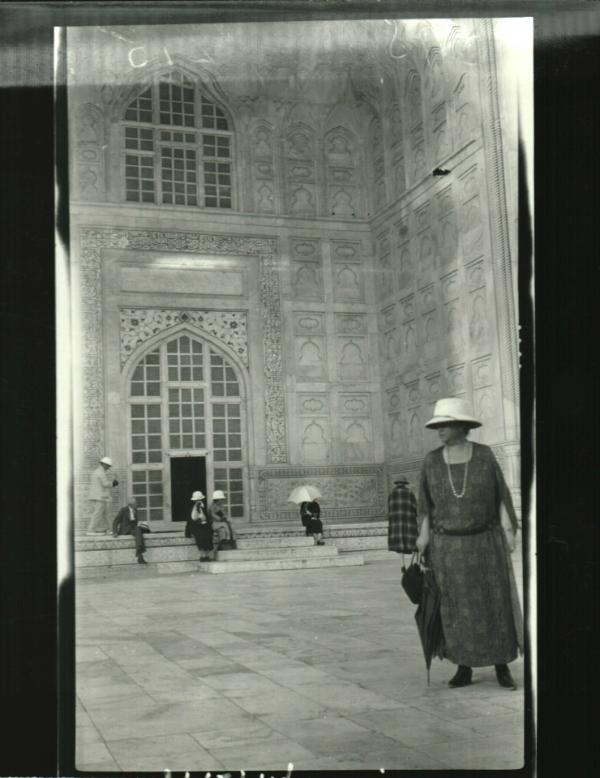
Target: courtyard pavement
252, 671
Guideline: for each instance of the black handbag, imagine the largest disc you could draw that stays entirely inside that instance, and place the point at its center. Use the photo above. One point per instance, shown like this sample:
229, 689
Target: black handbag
412, 580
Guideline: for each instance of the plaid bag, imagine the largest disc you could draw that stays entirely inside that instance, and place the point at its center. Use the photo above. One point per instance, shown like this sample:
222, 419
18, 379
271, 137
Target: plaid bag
402, 518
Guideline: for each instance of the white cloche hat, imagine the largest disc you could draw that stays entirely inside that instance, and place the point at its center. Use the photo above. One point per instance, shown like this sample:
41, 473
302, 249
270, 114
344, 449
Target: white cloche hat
106, 461
218, 495
197, 496
452, 409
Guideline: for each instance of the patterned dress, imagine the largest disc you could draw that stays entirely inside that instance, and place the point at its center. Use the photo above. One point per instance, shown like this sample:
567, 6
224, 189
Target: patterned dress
481, 615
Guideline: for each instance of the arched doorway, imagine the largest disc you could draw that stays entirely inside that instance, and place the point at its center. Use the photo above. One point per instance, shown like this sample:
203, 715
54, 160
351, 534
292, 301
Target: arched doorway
186, 429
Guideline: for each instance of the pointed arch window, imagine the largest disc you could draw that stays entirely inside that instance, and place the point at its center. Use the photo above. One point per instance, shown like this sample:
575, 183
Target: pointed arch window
178, 145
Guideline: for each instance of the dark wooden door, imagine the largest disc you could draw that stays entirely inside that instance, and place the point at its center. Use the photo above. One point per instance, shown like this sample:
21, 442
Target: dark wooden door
188, 475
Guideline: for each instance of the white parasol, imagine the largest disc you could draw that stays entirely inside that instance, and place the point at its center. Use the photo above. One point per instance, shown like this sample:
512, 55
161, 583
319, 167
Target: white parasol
304, 494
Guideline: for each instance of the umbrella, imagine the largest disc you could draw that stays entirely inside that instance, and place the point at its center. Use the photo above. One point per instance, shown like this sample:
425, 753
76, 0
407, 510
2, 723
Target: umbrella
429, 620
304, 494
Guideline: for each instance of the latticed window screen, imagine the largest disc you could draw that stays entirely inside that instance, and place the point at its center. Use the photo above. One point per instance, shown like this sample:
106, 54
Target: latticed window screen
145, 381
227, 437
230, 481
146, 443
184, 395
184, 358
147, 489
222, 376
186, 418
177, 167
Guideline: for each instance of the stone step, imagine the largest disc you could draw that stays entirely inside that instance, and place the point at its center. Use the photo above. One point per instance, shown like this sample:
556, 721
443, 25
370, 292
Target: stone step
361, 542
125, 556
270, 542
216, 568
281, 552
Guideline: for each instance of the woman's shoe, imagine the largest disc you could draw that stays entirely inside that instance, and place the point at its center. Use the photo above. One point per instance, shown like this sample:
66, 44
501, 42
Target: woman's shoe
462, 677
504, 677
141, 560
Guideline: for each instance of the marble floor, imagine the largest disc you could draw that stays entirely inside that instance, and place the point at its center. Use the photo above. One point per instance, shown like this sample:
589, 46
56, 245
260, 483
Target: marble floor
252, 671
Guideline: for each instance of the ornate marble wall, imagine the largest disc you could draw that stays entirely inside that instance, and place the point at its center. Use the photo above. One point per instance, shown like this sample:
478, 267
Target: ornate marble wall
380, 287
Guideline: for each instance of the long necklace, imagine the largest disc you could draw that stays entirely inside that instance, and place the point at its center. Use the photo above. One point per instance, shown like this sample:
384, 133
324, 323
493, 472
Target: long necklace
464, 485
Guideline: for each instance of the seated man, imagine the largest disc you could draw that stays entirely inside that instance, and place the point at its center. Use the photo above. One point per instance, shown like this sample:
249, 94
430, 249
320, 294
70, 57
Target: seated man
126, 523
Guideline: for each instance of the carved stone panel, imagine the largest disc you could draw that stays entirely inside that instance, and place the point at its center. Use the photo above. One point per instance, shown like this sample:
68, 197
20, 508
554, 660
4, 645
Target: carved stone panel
350, 491
310, 358
388, 317
352, 358
356, 439
415, 431
454, 326
347, 282
315, 440
479, 326
481, 372
306, 249
355, 404
306, 281
456, 380
302, 200
345, 251
450, 286
89, 154
313, 404
308, 323
351, 323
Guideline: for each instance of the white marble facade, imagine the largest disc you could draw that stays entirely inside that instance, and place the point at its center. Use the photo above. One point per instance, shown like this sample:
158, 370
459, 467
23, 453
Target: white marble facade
345, 286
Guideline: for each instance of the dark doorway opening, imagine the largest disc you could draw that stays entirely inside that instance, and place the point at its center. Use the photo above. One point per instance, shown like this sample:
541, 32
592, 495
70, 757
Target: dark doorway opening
188, 474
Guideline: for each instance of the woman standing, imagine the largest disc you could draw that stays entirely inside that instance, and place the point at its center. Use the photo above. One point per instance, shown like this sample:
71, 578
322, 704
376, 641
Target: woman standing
310, 515
468, 523
199, 526
223, 535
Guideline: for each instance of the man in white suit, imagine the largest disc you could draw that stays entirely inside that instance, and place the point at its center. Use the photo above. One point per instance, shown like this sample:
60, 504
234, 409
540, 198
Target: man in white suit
100, 486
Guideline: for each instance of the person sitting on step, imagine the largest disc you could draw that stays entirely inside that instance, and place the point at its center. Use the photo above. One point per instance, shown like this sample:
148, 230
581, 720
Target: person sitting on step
199, 527
223, 534
126, 523
310, 515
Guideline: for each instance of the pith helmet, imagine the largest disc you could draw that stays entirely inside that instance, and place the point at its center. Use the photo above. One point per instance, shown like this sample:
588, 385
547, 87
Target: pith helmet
452, 409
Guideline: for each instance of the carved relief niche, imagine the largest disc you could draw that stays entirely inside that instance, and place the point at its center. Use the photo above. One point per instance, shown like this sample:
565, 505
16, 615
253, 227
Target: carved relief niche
307, 281
378, 175
314, 427
471, 216
300, 170
406, 267
356, 440
347, 282
315, 440
437, 93
89, 164
396, 128
352, 358
446, 225
454, 326
310, 358
456, 380
263, 168
341, 169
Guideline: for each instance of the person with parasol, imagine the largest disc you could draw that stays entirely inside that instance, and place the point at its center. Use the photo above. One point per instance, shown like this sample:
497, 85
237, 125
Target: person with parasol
468, 526
310, 511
